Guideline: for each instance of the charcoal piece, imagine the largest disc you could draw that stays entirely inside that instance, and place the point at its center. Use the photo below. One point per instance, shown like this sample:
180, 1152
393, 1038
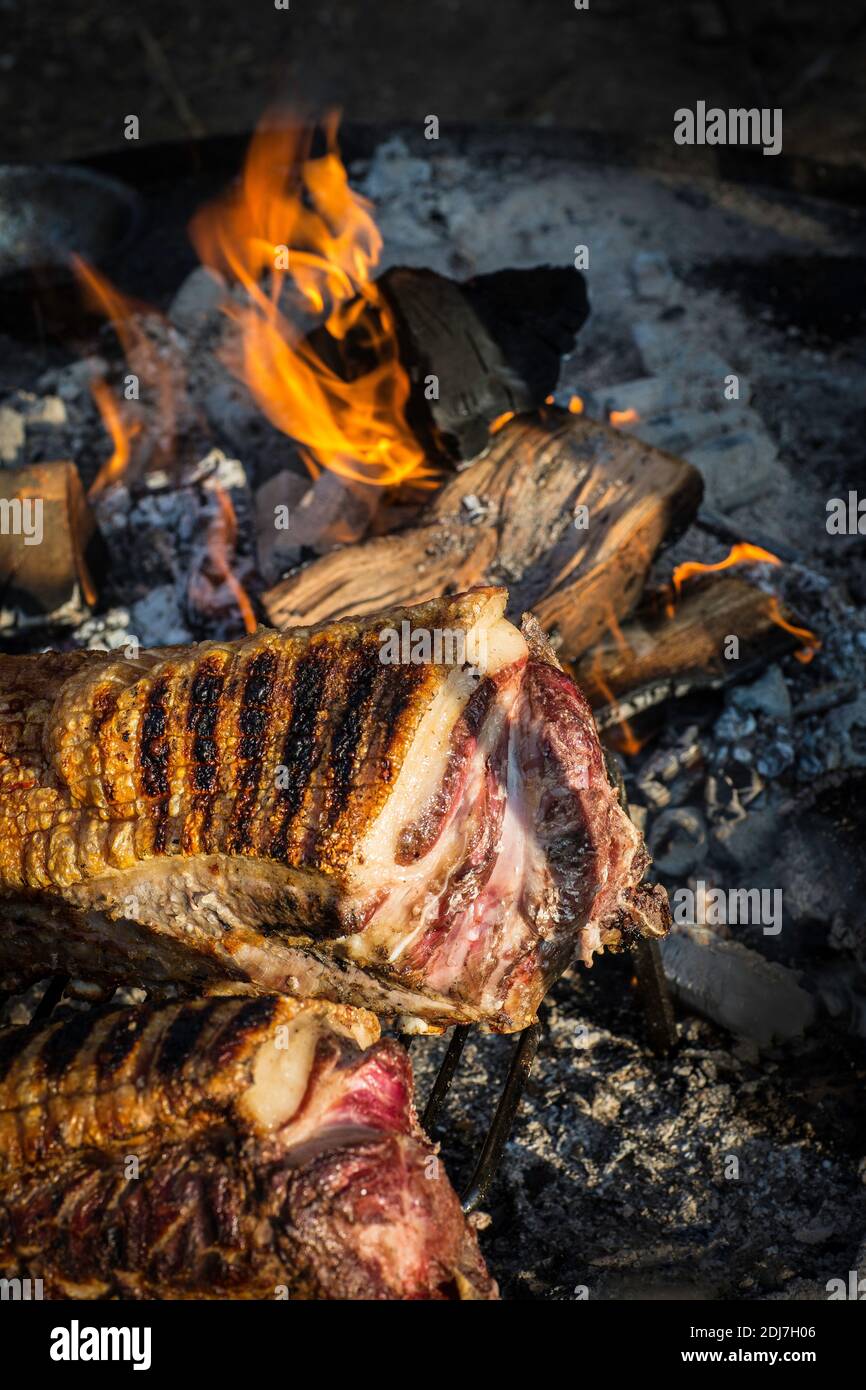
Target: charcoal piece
494, 345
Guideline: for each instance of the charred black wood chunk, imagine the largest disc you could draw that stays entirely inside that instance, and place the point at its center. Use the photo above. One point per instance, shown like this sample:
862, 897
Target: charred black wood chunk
482, 349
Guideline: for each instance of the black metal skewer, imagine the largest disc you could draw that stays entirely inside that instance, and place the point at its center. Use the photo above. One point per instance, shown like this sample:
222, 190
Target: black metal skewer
503, 1116
497, 1135
50, 999
445, 1075
655, 996
653, 989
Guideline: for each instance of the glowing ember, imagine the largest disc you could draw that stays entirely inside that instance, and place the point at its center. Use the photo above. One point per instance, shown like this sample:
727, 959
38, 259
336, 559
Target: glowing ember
299, 241
121, 437
501, 420
622, 736
221, 540
618, 418
575, 405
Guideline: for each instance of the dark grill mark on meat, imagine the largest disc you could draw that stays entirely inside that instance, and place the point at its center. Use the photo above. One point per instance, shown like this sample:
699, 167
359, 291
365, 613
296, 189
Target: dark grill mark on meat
255, 702
153, 757
253, 720
183, 1034
153, 745
118, 1043
104, 707
349, 733
398, 695
201, 720
63, 1045
160, 812
205, 699
252, 1016
300, 750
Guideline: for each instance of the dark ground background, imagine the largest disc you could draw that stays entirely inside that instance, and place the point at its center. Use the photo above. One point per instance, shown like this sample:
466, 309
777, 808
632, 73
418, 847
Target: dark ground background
69, 74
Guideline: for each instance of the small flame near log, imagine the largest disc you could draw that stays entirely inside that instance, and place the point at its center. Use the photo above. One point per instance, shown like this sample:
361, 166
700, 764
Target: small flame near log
122, 435
155, 373
744, 553
740, 554
811, 642
621, 734
143, 355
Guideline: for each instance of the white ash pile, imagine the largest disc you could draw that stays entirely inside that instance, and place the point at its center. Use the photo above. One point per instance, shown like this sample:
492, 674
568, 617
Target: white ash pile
720, 1172
753, 808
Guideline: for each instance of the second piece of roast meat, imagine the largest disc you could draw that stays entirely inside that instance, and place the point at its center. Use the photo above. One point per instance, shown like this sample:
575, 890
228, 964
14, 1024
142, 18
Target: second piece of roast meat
224, 1148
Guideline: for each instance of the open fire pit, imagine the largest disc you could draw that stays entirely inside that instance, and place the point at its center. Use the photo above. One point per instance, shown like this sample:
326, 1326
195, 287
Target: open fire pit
394, 374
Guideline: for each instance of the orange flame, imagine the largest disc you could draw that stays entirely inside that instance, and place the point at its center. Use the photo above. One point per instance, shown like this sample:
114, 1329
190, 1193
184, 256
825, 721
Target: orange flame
154, 371
740, 554
300, 242
618, 418
745, 554
811, 642
623, 735
575, 405
121, 434
221, 541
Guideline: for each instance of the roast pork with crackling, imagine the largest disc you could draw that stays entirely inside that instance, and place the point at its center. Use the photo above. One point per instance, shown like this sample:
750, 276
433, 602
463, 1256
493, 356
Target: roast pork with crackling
256, 1147
317, 812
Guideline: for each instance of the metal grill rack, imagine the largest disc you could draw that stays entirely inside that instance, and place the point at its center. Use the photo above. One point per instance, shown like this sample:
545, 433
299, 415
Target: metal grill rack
654, 997
499, 1129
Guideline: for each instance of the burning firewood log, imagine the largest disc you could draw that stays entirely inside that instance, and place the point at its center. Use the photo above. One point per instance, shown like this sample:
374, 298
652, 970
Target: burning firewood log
569, 513
658, 655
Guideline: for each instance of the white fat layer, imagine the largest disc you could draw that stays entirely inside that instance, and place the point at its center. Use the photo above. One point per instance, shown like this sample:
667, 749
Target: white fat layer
499, 645
281, 1072
411, 907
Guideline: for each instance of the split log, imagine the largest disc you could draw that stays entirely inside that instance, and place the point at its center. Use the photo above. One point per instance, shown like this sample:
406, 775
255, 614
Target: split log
51, 553
509, 518
493, 344
655, 657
